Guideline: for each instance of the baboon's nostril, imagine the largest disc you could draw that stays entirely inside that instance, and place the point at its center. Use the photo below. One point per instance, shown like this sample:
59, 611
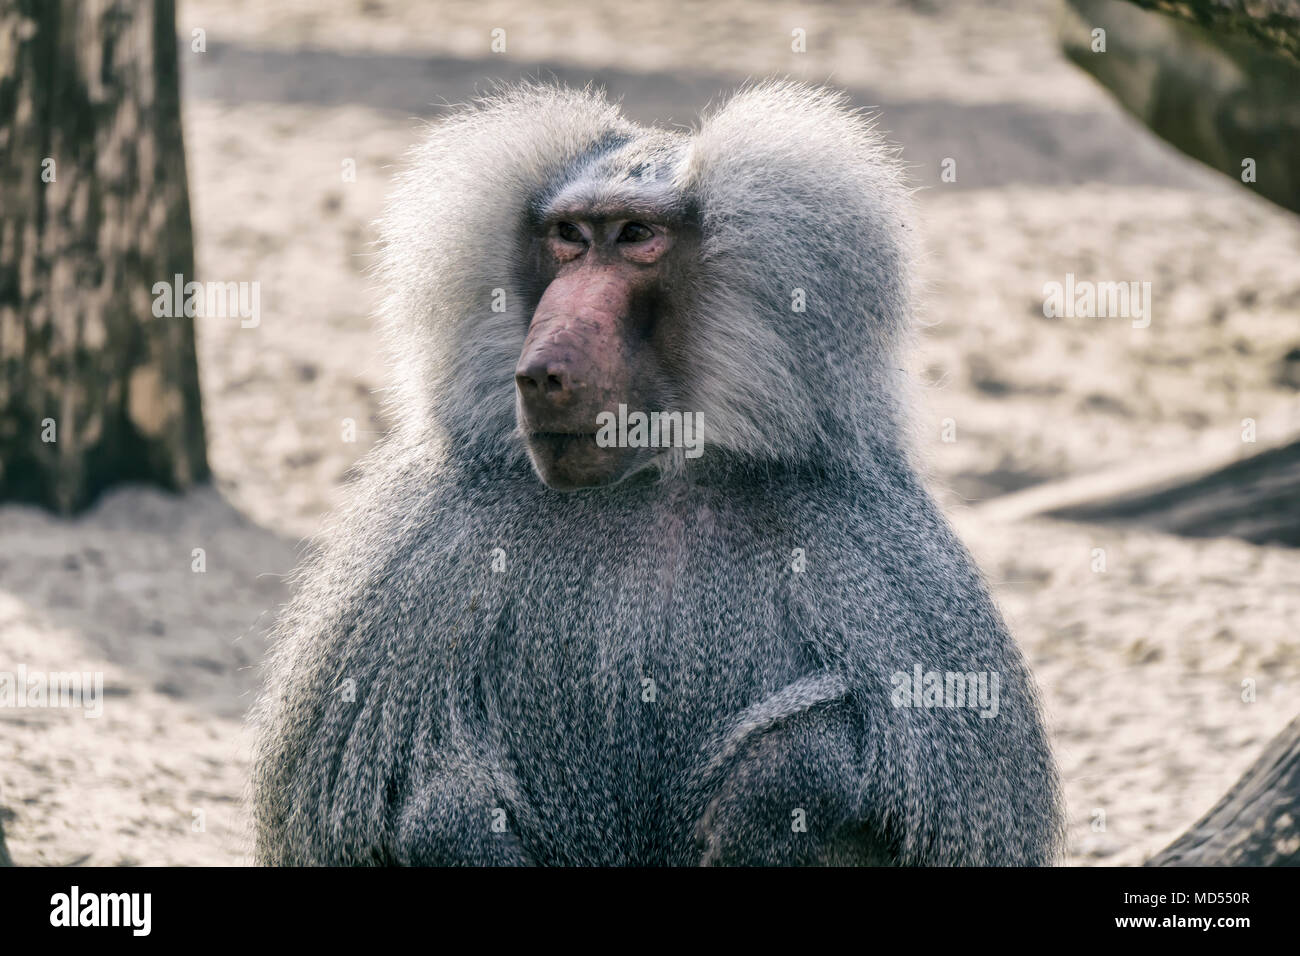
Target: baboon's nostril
541, 379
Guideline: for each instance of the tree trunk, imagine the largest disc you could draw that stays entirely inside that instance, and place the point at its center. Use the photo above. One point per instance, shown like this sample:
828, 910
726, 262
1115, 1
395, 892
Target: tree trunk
1273, 24
1196, 493
1253, 499
94, 388
1257, 823
1225, 96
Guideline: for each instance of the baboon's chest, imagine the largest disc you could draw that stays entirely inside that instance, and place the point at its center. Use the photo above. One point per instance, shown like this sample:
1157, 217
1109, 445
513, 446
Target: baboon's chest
606, 722
615, 671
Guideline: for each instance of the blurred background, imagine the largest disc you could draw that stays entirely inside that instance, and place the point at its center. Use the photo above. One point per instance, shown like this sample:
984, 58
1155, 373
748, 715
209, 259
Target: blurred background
1146, 618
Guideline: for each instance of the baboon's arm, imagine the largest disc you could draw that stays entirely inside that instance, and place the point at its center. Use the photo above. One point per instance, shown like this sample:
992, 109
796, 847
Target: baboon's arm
790, 790
464, 812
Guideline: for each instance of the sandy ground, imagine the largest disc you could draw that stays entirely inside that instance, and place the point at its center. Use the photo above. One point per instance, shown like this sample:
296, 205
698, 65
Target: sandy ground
1142, 665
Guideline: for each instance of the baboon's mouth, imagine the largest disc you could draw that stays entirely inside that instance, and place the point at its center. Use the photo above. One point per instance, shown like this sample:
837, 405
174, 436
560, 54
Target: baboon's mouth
571, 460
560, 443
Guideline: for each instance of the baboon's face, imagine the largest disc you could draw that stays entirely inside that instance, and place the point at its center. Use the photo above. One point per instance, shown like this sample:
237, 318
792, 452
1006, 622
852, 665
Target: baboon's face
595, 340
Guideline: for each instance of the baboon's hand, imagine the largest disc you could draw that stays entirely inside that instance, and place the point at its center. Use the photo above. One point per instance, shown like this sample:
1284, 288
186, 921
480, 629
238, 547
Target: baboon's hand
791, 797
455, 819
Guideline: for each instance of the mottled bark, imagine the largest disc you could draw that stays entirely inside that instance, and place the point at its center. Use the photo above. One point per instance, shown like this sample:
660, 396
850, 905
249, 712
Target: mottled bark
92, 85
1257, 823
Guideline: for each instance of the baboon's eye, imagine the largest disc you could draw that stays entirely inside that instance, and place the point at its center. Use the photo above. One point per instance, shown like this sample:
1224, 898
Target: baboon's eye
569, 232
635, 232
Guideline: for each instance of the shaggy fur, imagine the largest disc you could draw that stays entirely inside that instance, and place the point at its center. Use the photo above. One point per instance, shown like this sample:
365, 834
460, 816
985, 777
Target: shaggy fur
651, 679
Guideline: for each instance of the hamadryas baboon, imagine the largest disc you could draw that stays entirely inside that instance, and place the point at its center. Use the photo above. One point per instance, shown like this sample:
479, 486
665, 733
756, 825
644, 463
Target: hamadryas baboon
523, 644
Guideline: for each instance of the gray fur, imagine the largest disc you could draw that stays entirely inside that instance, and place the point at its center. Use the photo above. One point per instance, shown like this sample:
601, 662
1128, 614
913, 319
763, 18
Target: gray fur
519, 695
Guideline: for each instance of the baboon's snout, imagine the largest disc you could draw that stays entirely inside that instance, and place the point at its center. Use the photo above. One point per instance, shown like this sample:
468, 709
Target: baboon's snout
574, 365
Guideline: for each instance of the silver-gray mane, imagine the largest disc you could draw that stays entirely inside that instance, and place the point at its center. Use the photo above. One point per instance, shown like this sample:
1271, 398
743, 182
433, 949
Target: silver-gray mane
772, 383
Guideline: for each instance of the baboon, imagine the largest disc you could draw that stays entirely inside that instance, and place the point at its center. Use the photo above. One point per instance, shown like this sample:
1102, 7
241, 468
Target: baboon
520, 645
